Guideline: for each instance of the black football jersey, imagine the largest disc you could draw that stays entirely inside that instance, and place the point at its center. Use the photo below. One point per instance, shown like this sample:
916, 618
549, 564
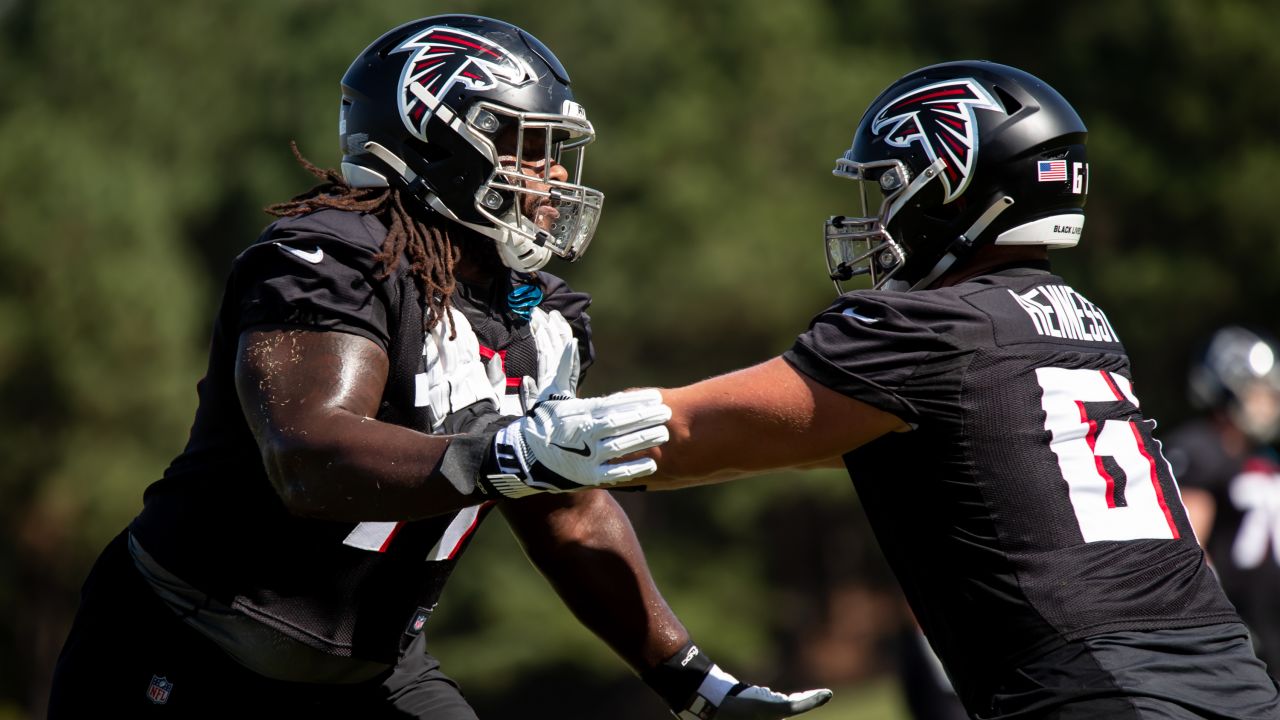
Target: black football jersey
214, 519
1030, 504
1244, 542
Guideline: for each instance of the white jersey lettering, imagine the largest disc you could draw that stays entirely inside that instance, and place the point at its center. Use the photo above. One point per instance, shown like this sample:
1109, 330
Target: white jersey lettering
1061, 312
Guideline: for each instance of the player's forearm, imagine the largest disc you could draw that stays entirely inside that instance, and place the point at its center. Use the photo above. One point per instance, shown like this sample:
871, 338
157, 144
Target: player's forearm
730, 426
766, 417
358, 469
707, 438
585, 546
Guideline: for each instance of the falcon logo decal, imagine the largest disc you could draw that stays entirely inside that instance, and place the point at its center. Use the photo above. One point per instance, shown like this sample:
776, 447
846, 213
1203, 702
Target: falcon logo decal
447, 56
941, 118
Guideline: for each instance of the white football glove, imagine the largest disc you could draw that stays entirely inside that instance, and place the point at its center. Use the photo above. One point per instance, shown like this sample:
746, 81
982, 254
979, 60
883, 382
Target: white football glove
558, 363
567, 444
749, 702
697, 689
456, 376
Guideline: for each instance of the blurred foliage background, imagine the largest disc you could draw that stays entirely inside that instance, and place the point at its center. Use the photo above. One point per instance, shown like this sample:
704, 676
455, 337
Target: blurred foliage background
141, 140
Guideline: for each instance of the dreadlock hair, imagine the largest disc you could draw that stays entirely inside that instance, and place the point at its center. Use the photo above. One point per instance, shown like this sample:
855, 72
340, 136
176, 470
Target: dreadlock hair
432, 253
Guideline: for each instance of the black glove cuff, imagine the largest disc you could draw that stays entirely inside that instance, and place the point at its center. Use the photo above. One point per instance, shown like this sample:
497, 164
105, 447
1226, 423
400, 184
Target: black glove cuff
476, 418
470, 459
463, 460
678, 677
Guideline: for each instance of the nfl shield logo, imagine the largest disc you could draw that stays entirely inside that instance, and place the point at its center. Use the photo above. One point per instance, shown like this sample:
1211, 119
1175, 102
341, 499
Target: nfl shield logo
159, 689
419, 621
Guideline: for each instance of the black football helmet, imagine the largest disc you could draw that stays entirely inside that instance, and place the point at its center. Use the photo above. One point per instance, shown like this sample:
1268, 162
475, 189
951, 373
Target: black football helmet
1238, 372
475, 119
961, 154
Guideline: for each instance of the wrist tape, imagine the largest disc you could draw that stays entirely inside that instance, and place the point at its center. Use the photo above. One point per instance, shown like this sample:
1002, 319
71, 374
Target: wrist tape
689, 682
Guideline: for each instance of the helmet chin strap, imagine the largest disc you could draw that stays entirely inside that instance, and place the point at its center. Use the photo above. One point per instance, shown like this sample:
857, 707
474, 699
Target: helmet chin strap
961, 247
520, 253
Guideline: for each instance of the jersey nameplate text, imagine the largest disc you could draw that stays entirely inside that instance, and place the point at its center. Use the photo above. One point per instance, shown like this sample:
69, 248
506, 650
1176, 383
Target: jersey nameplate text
1058, 311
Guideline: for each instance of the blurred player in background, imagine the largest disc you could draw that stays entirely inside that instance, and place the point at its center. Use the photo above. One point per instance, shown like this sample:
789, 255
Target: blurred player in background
985, 411
290, 559
1230, 475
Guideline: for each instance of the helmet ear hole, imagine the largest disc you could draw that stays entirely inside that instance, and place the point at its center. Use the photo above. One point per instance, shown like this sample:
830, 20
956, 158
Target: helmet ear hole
1011, 104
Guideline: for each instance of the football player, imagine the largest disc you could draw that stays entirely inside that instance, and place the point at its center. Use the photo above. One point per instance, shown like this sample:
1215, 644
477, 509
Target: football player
1230, 476
986, 412
291, 556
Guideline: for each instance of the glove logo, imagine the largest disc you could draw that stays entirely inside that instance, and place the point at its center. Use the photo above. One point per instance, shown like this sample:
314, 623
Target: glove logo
693, 652
445, 57
940, 117
584, 451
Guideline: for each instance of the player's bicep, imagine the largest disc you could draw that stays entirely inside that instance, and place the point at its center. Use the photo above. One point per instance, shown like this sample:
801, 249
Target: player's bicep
765, 417
292, 381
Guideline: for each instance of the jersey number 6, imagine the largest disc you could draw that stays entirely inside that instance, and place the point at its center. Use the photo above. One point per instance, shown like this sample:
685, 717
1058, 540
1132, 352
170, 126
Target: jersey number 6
1112, 467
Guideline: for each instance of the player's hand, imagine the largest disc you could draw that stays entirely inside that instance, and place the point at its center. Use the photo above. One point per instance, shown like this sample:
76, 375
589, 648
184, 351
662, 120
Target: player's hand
558, 363
695, 688
722, 696
753, 702
566, 444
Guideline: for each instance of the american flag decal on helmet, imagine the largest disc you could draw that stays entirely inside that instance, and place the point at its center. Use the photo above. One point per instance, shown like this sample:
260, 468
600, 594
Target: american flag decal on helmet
940, 117
444, 57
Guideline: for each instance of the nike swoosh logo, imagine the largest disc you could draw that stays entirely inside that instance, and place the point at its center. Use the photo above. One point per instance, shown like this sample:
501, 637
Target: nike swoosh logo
584, 451
861, 318
313, 257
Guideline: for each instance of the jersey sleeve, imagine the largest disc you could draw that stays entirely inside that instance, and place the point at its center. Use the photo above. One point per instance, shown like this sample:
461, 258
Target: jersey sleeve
557, 295
879, 352
319, 274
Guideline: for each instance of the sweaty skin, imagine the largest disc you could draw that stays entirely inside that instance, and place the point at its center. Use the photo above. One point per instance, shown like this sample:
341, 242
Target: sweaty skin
310, 398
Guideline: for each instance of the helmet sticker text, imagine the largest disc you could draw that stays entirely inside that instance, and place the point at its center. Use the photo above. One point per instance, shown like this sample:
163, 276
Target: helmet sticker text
1080, 178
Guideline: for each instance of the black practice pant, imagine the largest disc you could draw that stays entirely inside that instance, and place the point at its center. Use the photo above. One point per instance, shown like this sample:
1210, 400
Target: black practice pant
129, 655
